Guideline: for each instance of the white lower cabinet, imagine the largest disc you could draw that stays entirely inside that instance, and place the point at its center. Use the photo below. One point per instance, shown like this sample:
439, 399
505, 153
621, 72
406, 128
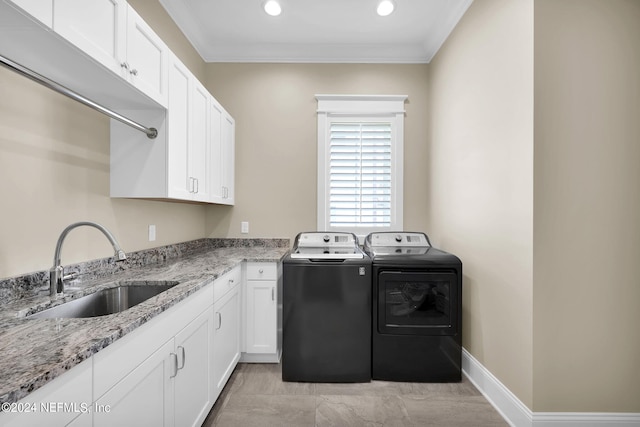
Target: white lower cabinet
173, 387
193, 392
161, 374
263, 313
226, 350
144, 397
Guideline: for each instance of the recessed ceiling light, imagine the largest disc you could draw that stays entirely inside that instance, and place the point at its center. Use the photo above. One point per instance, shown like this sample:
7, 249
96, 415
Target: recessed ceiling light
272, 7
385, 7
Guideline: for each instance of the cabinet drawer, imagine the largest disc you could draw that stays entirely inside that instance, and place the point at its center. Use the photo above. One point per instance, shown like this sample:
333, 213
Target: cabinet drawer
262, 271
226, 282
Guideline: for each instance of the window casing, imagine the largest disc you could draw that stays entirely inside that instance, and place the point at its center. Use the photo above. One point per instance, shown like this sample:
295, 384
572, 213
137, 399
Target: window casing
360, 156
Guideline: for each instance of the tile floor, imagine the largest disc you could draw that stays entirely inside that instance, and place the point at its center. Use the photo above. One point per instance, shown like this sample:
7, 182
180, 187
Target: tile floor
256, 396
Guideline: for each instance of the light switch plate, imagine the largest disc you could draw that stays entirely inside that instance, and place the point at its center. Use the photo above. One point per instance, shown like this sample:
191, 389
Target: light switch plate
244, 227
152, 233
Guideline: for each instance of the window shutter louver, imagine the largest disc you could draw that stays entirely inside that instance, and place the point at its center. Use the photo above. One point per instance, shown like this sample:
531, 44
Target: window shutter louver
360, 174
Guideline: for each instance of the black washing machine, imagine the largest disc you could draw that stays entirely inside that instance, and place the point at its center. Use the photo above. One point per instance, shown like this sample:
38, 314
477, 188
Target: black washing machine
326, 310
416, 311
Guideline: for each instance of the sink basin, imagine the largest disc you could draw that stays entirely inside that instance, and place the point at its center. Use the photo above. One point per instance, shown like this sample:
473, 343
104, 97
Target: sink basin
106, 301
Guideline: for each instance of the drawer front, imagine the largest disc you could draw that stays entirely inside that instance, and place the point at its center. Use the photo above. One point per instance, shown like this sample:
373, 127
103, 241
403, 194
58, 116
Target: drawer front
262, 271
226, 282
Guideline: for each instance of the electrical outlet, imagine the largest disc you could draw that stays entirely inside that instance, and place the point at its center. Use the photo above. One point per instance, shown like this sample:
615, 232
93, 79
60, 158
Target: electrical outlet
244, 227
152, 233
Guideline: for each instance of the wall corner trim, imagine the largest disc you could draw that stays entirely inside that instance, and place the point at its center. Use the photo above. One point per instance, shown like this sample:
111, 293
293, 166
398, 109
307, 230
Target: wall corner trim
518, 414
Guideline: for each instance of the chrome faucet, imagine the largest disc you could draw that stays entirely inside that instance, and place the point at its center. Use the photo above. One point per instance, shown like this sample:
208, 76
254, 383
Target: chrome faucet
56, 274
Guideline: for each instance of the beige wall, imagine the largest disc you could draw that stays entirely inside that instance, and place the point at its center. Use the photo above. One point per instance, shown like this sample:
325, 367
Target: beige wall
480, 180
54, 168
276, 131
587, 206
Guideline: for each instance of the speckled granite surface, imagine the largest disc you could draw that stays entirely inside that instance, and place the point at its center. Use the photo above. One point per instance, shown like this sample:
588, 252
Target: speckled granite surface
35, 351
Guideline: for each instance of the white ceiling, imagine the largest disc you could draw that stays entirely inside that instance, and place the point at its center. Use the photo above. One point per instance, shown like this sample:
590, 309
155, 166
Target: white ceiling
347, 31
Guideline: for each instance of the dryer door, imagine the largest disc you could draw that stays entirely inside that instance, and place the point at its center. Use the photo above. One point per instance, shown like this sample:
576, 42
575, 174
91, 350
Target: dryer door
417, 303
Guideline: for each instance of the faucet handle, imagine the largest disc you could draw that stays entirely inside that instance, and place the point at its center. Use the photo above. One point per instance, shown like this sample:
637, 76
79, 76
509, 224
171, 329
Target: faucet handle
120, 255
70, 276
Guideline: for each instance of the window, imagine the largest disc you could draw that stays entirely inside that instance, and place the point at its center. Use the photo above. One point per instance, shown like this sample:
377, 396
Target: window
360, 140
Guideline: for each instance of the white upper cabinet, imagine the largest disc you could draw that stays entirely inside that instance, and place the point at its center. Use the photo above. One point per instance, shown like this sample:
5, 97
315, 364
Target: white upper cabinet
179, 182
113, 34
199, 143
42, 10
228, 158
222, 155
103, 50
215, 147
188, 135
97, 27
146, 63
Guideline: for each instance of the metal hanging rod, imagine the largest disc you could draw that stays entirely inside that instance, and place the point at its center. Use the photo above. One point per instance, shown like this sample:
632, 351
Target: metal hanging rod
150, 132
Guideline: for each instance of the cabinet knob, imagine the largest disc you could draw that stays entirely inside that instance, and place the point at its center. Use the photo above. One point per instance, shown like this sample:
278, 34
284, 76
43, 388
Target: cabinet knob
134, 72
124, 65
261, 271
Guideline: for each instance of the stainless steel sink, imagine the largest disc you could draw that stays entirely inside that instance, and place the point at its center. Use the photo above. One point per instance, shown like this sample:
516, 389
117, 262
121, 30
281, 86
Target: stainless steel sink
106, 301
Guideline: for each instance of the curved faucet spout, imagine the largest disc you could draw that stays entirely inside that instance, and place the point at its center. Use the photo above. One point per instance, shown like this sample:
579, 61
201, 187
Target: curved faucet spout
56, 274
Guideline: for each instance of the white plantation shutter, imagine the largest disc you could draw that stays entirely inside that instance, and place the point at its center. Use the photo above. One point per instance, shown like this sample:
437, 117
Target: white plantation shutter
360, 155
360, 175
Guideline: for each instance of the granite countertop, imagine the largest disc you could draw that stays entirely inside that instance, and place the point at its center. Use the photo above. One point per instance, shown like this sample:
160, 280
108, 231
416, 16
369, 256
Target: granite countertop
35, 351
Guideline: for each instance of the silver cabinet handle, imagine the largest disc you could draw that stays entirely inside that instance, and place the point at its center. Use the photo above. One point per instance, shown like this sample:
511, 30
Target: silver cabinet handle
230, 282
124, 65
134, 72
174, 359
219, 321
181, 348
196, 181
273, 294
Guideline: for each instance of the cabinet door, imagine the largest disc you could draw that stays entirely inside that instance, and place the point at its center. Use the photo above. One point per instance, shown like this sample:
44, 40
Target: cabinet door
199, 142
215, 160
42, 10
261, 316
146, 59
97, 27
194, 380
226, 351
228, 158
178, 131
144, 397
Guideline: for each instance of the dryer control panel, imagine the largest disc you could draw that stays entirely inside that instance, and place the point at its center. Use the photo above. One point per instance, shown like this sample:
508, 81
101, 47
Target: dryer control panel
395, 239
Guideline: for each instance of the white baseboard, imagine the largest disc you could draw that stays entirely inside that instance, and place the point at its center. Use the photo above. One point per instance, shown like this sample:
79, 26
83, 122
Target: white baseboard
506, 403
517, 414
